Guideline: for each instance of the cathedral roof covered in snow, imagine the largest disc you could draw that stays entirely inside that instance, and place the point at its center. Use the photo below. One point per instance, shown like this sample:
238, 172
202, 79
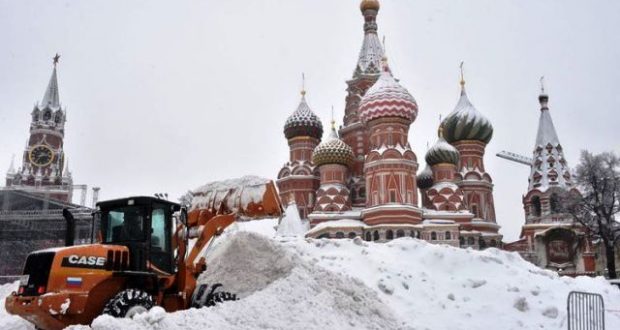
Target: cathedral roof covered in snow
303, 122
425, 178
333, 151
549, 167
387, 98
442, 152
369, 61
466, 123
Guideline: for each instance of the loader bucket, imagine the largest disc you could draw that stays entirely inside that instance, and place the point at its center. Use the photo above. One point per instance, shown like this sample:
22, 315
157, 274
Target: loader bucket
249, 197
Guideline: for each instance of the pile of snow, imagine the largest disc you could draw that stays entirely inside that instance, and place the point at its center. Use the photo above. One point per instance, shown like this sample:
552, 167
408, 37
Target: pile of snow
291, 224
8, 321
353, 284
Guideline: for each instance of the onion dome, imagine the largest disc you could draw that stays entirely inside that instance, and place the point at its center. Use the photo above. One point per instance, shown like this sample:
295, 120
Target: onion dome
333, 151
442, 152
425, 178
466, 123
369, 4
303, 122
387, 98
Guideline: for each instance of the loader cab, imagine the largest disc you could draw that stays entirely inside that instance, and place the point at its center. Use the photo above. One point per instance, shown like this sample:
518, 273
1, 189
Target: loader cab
145, 226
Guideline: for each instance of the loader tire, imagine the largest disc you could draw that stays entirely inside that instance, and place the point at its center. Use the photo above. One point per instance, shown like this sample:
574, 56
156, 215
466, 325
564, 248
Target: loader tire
128, 303
207, 297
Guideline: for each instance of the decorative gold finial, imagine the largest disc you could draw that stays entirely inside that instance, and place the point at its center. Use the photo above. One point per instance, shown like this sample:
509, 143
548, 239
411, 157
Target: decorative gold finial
369, 4
462, 75
333, 121
56, 58
542, 84
303, 84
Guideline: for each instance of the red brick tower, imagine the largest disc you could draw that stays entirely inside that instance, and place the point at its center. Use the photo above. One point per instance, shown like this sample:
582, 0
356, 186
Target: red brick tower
298, 177
444, 194
390, 166
44, 168
469, 131
353, 132
333, 158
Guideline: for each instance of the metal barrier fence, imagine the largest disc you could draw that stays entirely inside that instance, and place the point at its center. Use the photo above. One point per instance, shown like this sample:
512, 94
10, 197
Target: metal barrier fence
586, 311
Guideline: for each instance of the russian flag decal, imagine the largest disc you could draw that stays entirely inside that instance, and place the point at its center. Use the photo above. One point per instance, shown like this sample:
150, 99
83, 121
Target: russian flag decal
74, 282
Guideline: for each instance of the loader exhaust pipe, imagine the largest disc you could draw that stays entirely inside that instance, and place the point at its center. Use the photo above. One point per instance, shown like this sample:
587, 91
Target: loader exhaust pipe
70, 230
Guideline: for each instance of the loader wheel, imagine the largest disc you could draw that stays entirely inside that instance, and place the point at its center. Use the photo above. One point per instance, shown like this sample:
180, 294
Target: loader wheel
204, 297
128, 303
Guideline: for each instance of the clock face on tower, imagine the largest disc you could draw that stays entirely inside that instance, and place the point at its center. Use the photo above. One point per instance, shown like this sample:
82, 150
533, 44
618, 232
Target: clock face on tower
41, 155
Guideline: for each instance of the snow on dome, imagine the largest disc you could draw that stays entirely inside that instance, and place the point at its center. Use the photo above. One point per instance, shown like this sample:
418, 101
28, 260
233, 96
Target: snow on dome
466, 123
303, 122
442, 152
425, 178
291, 225
333, 151
387, 98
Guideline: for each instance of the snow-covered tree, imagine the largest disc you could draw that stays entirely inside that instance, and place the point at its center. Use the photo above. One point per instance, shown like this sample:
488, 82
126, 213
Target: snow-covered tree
596, 207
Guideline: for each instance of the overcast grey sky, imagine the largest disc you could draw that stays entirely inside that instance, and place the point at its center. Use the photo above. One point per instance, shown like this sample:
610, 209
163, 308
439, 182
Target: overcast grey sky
163, 96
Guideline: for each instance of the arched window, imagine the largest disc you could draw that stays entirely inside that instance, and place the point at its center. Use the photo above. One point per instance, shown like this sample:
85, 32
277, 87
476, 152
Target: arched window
400, 233
470, 241
389, 234
412, 234
448, 236
339, 234
482, 243
536, 206
352, 235
493, 243
47, 115
375, 236
433, 236
461, 241
362, 192
554, 203
58, 117
368, 236
474, 210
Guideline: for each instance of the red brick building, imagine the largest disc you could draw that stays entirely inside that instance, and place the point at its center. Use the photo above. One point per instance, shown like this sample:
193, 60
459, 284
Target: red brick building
363, 182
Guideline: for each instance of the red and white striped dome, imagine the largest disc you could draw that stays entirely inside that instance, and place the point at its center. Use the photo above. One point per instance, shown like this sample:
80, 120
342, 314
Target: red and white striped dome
387, 98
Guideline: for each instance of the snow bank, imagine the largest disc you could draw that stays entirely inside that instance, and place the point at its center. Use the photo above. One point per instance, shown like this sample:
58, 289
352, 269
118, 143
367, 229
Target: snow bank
7, 321
291, 224
238, 193
440, 287
279, 290
347, 284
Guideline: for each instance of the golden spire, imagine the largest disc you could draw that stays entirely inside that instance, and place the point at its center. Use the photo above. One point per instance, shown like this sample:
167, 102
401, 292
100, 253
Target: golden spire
303, 84
333, 121
542, 84
462, 82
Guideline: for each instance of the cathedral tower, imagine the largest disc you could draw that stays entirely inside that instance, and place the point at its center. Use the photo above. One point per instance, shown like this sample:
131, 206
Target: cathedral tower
469, 132
366, 73
298, 177
333, 158
388, 110
44, 167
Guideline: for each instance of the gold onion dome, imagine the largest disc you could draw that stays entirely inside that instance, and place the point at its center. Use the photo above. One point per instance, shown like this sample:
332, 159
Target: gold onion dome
466, 123
303, 122
369, 4
442, 152
425, 178
387, 98
333, 151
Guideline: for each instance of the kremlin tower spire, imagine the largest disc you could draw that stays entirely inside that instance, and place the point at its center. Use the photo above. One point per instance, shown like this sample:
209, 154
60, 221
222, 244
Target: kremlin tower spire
43, 159
298, 177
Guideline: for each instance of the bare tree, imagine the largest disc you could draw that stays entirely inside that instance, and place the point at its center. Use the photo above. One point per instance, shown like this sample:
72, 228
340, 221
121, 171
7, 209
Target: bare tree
598, 180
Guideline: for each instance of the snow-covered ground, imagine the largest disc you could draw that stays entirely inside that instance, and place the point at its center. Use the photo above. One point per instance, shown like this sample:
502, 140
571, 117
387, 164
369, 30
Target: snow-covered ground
352, 284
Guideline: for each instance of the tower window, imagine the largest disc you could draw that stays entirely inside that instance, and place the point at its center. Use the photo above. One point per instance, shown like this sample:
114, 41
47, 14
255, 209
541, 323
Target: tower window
400, 233
535, 208
375, 236
554, 202
392, 196
433, 236
368, 236
389, 234
47, 115
448, 236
